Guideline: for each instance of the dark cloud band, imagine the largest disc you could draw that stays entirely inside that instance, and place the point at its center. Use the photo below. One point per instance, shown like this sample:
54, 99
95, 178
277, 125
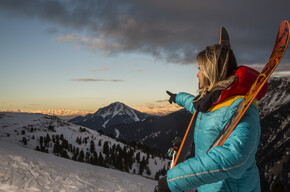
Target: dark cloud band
167, 29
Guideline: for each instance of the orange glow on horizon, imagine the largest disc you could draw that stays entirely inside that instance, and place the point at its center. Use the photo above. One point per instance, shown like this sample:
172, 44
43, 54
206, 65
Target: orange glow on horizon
67, 113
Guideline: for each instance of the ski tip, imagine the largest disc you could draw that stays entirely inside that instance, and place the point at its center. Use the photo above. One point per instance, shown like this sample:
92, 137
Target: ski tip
286, 22
224, 36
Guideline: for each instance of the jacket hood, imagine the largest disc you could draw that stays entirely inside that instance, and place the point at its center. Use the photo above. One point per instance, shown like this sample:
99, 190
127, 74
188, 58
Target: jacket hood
245, 77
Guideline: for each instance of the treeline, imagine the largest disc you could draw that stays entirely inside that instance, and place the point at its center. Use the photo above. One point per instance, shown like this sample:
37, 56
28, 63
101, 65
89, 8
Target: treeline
137, 145
97, 152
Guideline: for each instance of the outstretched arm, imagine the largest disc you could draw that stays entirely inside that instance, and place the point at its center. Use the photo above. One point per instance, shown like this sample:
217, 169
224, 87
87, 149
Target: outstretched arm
185, 100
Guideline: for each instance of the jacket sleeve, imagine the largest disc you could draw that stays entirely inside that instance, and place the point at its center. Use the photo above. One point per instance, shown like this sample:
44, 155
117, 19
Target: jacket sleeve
185, 100
228, 161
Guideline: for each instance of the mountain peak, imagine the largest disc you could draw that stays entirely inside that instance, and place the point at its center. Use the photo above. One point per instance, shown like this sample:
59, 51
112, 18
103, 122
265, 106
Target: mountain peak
117, 103
113, 114
116, 108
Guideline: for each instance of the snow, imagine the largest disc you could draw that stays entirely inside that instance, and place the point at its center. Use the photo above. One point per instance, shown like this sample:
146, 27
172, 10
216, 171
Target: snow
276, 96
105, 123
117, 133
23, 169
115, 109
12, 126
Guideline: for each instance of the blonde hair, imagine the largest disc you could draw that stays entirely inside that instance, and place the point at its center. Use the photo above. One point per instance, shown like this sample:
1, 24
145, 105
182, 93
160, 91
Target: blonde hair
217, 65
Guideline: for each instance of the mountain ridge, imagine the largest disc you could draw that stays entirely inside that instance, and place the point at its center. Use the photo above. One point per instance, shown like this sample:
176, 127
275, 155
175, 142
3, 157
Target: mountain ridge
113, 114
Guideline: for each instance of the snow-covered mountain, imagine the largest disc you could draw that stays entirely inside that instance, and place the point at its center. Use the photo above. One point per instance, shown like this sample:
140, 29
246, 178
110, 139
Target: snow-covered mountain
161, 133
22, 169
114, 114
273, 156
278, 95
52, 135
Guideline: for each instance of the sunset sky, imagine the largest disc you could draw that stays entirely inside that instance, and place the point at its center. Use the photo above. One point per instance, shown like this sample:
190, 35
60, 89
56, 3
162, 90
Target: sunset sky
75, 56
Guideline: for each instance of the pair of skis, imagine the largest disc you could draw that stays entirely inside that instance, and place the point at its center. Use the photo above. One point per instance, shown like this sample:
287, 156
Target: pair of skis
276, 56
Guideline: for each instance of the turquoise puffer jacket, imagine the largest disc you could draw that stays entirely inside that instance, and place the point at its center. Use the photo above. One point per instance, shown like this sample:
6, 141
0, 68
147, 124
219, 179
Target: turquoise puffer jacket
228, 168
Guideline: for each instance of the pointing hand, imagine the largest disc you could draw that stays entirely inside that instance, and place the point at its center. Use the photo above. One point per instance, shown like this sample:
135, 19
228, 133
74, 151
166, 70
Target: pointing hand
172, 97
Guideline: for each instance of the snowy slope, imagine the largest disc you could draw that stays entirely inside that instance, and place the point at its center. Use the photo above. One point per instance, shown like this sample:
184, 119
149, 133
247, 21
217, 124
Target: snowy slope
22, 169
277, 95
45, 133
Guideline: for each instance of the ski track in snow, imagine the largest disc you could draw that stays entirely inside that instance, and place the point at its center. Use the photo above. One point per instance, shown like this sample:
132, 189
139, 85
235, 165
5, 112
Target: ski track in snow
25, 170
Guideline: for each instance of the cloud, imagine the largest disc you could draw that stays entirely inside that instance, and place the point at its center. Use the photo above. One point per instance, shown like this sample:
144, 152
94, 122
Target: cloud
138, 70
101, 69
162, 101
97, 80
34, 105
282, 70
68, 38
282, 74
170, 30
105, 46
52, 30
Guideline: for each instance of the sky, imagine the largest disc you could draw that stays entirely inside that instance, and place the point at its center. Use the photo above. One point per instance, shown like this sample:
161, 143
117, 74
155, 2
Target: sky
71, 57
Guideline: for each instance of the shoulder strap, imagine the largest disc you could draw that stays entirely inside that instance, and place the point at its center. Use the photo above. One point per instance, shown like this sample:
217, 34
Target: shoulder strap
187, 140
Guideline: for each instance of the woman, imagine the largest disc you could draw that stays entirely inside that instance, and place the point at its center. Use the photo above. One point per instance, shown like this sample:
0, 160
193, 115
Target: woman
232, 166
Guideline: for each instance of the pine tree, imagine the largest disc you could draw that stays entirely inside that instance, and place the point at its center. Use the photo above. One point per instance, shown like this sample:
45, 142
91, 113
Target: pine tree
47, 138
94, 158
101, 159
120, 165
138, 157
53, 138
51, 128
24, 141
64, 144
75, 154
142, 166
79, 140
81, 156
92, 146
157, 175
148, 171
41, 141
64, 154
106, 148
88, 155
56, 147
131, 158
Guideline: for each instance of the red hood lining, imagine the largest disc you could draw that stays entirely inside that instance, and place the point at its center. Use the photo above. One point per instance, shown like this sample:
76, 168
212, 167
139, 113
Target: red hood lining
245, 77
